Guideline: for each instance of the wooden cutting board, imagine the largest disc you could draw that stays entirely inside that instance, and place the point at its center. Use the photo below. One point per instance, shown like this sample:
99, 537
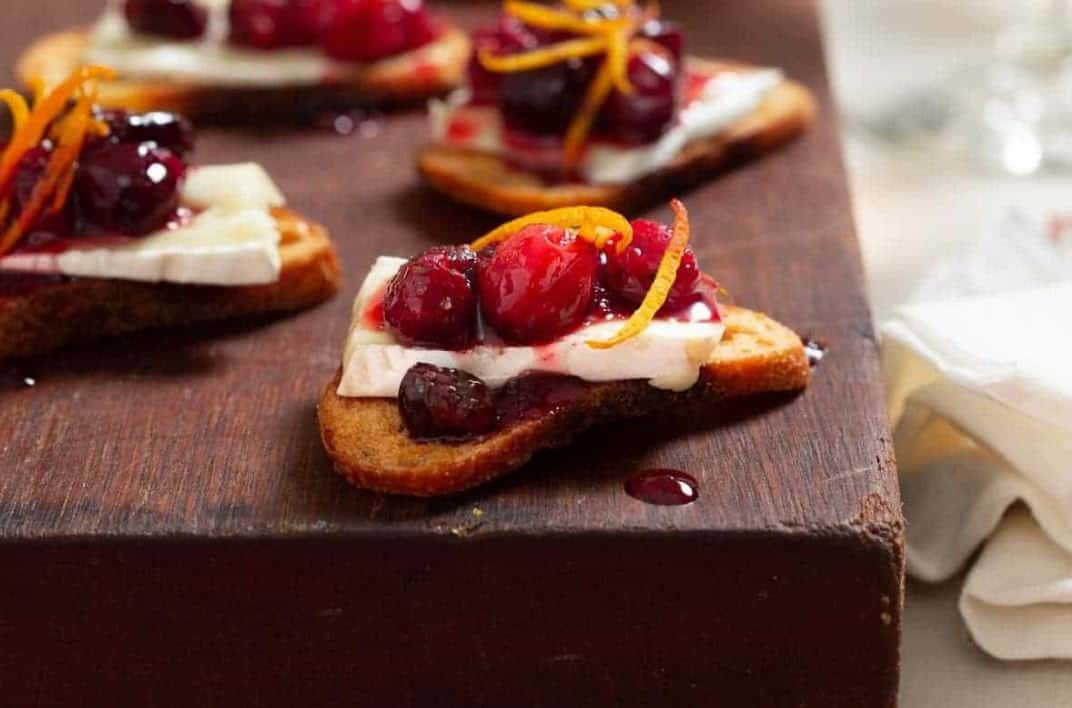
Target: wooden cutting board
171, 532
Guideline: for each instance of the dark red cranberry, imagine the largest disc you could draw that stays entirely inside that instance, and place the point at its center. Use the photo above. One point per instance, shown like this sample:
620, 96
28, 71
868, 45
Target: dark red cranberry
273, 24
665, 33
48, 225
436, 402
166, 130
509, 36
629, 275
645, 114
545, 101
128, 189
431, 301
367, 30
538, 285
178, 19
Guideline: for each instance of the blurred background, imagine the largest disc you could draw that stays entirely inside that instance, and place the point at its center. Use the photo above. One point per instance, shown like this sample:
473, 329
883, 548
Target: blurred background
954, 113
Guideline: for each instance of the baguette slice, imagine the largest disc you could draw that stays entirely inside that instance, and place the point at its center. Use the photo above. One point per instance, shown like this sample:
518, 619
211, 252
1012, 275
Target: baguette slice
423, 72
50, 313
487, 181
367, 440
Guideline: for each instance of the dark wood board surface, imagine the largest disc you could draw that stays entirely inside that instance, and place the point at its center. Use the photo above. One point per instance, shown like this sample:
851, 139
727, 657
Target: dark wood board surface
168, 517
213, 433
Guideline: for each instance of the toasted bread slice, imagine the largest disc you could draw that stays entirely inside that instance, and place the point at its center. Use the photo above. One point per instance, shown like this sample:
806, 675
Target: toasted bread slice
423, 72
367, 440
49, 313
487, 181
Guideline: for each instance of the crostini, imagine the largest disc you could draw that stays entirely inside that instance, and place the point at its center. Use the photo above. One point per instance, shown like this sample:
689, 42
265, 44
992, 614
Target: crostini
463, 362
595, 102
258, 60
106, 228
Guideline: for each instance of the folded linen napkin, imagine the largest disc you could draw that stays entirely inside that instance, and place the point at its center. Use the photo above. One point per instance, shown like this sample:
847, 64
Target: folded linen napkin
980, 392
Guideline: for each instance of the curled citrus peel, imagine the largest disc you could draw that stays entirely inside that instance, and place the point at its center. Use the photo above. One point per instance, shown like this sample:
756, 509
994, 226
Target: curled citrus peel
64, 114
661, 285
596, 225
612, 37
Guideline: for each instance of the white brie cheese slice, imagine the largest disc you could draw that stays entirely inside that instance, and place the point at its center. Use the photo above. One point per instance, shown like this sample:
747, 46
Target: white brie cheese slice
669, 355
233, 240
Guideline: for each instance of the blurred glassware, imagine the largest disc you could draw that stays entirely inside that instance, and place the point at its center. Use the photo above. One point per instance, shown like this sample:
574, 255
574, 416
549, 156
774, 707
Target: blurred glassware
1011, 112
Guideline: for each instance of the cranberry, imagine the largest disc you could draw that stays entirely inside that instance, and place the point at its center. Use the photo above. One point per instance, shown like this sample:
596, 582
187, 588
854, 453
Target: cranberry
431, 300
545, 101
180, 19
129, 189
437, 402
645, 114
30, 170
539, 284
665, 33
167, 130
367, 30
629, 275
509, 36
272, 24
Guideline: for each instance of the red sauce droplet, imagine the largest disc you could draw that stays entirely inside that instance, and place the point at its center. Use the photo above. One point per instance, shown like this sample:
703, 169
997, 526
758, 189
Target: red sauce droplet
663, 487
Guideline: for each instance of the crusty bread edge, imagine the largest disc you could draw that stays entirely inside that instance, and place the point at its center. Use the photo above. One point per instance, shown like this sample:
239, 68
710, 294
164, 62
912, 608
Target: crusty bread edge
367, 442
54, 316
420, 73
485, 181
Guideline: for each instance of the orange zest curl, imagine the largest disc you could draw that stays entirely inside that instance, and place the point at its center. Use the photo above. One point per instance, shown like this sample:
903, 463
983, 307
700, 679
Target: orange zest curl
593, 224
612, 37
65, 115
660, 287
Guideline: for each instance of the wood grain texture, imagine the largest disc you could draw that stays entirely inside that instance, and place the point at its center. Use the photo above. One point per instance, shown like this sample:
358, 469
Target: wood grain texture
134, 468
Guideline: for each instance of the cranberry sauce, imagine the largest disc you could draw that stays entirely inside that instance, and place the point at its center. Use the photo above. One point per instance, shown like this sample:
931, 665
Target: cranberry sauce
663, 487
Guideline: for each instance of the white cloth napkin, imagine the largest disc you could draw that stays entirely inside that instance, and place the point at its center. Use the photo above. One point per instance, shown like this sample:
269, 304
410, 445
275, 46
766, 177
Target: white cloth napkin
979, 376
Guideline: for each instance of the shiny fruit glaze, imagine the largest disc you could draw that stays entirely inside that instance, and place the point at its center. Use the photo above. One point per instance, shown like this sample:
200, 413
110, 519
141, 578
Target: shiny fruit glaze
642, 116
127, 188
538, 284
431, 301
544, 101
437, 402
368, 30
177, 19
629, 275
166, 130
663, 487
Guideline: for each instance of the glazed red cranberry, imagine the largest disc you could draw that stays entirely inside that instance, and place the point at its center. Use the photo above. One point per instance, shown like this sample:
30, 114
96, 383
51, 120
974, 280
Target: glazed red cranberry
665, 33
645, 114
167, 130
544, 101
179, 19
129, 189
431, 300
629, 275
273, 24
436, 402
509, 36
367, 30
30, 170
538, 284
